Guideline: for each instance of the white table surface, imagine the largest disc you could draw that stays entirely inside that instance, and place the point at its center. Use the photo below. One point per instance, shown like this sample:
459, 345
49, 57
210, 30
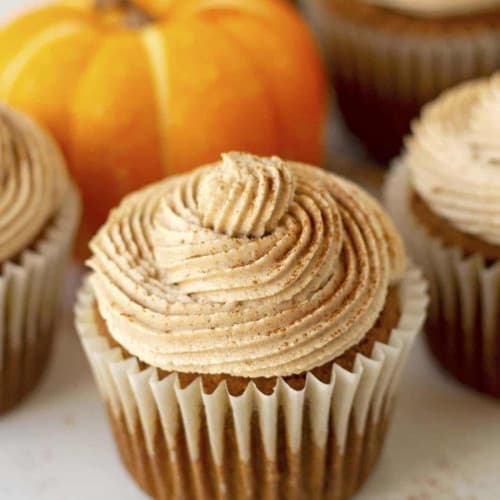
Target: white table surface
444, 443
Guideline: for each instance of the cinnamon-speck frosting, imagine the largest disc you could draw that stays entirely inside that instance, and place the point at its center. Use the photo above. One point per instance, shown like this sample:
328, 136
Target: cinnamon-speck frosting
454, 157
249, 267
437, 8
33, 181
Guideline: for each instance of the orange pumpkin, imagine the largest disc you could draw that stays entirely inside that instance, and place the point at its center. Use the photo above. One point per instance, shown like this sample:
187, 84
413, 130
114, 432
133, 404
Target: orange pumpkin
136, 90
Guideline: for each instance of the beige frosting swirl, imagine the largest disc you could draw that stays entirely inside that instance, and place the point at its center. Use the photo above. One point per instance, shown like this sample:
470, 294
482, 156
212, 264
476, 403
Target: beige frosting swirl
437, 8
454, 157
250, 267
33, 181
245, 196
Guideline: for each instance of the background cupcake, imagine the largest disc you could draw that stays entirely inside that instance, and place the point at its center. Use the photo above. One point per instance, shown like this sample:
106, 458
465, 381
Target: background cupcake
39, 213
246, 325
389, 57
445, 194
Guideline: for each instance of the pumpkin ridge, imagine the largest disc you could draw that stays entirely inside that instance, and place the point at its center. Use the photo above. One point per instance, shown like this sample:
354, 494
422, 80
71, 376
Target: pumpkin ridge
33, 47
73, 4
258, 9
157, 55
270, 97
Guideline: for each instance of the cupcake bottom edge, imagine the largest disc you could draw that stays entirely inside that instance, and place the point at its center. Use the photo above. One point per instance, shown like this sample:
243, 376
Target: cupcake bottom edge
169, 473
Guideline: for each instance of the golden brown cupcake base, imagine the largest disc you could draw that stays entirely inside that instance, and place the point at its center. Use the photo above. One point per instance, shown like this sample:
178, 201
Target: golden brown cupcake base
461, 354
388, 319
31, 285
23, 369
314, 473
383, 127
23, 366
449, 235
399, 22
447, 343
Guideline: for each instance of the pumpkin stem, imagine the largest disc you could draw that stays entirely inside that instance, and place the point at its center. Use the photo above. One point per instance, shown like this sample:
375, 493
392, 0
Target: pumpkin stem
135, 17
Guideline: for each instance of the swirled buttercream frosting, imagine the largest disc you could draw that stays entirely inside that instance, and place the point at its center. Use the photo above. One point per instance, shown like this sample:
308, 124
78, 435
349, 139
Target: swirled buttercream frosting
33, 181
437, 8
249, 267
454, 158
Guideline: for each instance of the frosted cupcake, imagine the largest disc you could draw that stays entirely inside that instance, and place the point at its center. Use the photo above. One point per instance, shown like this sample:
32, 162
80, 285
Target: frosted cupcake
39, 214
389, 57
445, 194
247, 324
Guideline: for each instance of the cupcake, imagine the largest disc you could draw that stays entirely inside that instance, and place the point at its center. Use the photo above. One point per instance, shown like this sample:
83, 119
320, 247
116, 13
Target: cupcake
39, 214
389, 57
247, 324
444, 193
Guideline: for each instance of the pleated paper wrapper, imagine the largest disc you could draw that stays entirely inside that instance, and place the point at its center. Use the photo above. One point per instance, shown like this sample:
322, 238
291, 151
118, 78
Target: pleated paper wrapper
383, 76
30, 288
318, 442
463, 330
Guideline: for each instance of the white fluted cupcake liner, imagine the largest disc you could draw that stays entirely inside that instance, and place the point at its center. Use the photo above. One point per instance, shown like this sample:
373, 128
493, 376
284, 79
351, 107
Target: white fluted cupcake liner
463, 327
30, 287
318, 442
383, 76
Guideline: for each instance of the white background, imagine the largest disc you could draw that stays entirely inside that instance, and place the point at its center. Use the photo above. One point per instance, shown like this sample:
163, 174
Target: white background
444, 444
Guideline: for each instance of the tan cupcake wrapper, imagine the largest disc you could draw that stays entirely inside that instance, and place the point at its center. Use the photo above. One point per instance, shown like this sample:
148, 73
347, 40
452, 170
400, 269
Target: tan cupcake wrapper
383, 77
318, 442
30, 288
462, 328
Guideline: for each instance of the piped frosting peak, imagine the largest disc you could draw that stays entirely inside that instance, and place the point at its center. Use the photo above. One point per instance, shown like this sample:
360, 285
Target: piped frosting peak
246, 195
